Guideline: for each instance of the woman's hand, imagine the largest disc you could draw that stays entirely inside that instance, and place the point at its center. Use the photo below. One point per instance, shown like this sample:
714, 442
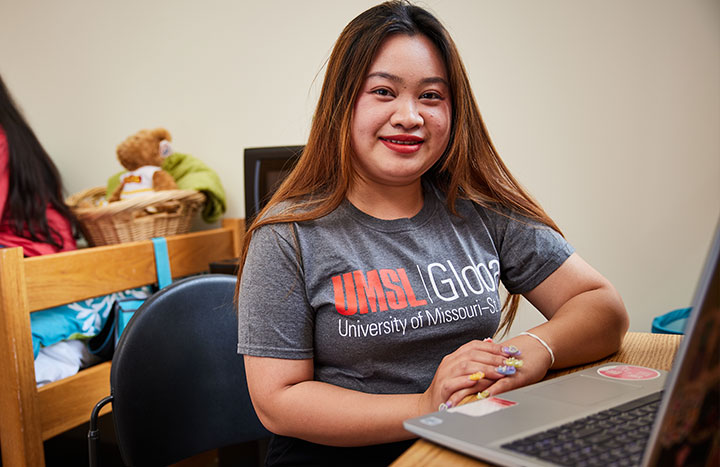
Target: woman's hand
535, 363
468, 370
475, 368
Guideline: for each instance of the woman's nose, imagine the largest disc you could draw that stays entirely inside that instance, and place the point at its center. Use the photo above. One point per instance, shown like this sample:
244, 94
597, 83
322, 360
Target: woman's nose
406, 114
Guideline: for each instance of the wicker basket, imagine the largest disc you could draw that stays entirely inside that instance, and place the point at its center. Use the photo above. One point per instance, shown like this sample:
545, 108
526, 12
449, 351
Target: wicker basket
158, 214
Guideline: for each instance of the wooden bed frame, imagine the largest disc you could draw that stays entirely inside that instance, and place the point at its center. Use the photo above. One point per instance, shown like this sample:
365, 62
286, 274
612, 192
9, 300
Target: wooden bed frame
28, 414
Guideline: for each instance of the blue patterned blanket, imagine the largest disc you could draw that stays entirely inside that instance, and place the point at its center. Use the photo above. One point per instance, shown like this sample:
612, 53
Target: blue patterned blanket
79, 320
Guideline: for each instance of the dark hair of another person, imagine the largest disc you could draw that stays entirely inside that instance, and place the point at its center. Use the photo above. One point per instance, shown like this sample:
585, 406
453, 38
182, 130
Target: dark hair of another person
470, 167
34, 181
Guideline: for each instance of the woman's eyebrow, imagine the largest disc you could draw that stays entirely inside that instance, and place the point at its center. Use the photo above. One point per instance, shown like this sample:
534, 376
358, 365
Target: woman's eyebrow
397, 79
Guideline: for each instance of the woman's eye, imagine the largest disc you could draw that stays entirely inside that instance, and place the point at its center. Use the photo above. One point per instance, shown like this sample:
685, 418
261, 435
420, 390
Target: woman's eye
382, 92
430, 95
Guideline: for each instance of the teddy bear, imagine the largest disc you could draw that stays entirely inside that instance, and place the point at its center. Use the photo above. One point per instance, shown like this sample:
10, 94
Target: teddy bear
142, 154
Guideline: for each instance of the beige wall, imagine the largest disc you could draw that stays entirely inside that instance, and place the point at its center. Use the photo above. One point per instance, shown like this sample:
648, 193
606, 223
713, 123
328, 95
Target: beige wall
608, 111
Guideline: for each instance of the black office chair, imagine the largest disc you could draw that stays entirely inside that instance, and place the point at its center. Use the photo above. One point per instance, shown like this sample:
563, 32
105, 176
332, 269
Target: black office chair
177, 384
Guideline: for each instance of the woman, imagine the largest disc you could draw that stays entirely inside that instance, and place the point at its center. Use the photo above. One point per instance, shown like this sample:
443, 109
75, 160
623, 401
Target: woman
369, 285
32, 211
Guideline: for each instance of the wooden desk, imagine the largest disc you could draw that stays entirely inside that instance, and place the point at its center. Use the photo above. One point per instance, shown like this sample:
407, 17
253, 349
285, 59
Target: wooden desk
638, 348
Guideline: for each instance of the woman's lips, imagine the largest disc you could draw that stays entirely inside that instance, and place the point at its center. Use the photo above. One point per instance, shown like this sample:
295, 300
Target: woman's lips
404, 144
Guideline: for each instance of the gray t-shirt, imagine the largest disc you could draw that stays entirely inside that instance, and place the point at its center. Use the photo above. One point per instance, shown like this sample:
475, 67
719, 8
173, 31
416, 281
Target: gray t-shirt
377, 304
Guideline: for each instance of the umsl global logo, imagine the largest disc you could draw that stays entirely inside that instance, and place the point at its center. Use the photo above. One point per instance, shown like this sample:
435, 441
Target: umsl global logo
383, 289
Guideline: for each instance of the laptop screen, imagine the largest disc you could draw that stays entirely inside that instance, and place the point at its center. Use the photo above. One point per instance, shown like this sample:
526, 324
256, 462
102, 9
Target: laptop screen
688, 432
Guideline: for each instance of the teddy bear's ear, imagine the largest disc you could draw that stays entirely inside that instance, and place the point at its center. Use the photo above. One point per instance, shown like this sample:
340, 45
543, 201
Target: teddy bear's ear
161, 134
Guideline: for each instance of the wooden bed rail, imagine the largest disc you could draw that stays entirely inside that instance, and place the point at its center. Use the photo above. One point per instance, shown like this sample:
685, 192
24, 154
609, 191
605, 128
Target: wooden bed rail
30, 415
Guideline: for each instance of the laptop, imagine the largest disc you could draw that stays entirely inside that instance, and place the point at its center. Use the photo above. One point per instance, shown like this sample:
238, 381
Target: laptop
665, 418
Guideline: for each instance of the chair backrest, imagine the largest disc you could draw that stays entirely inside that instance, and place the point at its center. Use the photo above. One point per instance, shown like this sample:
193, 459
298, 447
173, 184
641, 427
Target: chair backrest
178, 383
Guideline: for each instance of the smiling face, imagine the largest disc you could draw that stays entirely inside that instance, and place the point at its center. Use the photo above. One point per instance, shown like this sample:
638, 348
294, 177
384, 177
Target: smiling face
402, 116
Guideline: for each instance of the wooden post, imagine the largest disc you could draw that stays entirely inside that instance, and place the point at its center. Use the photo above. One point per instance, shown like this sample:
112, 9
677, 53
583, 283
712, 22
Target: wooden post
20, 427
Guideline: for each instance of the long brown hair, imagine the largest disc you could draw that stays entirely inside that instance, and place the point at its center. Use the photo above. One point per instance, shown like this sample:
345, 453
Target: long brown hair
34, 180
470, 168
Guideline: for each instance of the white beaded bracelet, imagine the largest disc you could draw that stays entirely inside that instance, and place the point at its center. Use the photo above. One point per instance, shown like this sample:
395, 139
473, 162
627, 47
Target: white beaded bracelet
544, 344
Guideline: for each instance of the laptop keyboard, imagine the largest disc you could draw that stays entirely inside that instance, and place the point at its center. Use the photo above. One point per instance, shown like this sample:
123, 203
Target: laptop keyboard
612, 437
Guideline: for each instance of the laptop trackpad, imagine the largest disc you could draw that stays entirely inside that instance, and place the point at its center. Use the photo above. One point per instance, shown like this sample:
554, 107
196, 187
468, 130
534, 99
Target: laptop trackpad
583, 390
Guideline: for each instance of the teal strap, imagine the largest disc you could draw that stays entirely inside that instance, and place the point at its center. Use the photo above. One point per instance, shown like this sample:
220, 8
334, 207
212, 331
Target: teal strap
162, 262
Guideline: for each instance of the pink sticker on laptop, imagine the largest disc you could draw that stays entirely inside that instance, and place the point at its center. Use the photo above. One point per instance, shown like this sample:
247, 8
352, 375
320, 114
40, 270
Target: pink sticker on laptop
483, 407
628, 372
